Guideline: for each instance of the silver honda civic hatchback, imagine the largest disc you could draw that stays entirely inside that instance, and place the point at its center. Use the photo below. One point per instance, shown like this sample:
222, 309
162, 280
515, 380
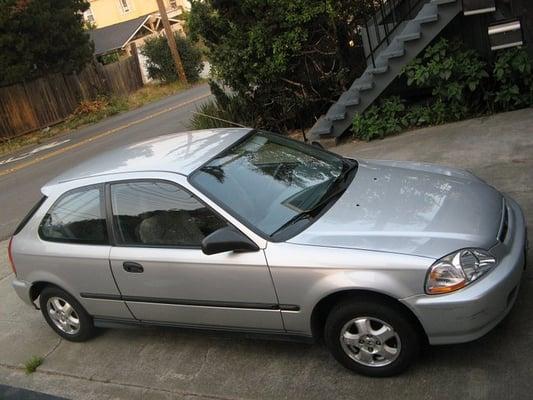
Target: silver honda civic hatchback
245, 230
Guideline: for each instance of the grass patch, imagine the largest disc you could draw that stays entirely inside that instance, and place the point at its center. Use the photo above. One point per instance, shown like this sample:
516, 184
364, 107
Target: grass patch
210, 115
225, 110
150, 93
89, 112
32, 364
11, 145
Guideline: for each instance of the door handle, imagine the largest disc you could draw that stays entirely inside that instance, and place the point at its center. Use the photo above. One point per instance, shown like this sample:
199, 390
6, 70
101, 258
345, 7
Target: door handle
130, 266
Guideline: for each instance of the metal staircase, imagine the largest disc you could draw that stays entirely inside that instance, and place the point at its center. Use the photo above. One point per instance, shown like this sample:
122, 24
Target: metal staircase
393, 52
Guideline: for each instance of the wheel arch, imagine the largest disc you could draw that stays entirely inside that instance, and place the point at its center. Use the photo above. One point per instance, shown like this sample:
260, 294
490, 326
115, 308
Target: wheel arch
326, 304
38, 287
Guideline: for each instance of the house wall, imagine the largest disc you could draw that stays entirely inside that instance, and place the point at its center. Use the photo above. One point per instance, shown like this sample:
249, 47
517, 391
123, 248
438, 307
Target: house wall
473, 30
524, 10
109, 12
139, 44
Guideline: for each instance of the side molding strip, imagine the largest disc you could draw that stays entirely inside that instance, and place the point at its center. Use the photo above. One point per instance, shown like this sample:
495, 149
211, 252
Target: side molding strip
199, 303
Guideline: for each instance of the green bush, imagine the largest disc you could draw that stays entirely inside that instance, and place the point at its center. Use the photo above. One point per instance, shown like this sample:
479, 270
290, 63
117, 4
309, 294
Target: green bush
380, 120
224, 111
391, 116
454, 74
161, 65
210, 115
462, 85
433, 113
513, 81
468, 84
286, 60
109, 58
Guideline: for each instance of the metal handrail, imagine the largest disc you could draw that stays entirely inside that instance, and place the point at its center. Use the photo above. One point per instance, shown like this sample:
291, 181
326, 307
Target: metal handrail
379, 13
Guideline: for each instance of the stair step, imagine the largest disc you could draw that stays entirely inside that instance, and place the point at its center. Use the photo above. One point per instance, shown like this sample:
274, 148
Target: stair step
410, 40
322, 127
407, 37
441, 2
350, 98
362, 85
378, 70
429, 9
393, 53
425, 19
337, 112
412, 26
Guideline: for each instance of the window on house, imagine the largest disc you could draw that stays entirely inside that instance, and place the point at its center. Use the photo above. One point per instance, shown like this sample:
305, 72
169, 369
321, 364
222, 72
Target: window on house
125, 5
173, 4
88, 16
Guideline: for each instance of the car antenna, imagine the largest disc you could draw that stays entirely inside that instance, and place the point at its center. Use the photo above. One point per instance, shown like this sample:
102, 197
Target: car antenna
219, 119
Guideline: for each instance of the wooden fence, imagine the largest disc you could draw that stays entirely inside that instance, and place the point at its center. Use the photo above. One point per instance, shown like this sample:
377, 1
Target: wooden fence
34, 105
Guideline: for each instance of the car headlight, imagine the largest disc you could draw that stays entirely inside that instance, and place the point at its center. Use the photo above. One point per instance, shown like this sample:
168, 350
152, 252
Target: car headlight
457, 270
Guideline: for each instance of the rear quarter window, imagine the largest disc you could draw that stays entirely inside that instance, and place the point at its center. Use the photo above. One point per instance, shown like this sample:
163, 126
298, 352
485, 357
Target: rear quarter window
30, 214
76, 217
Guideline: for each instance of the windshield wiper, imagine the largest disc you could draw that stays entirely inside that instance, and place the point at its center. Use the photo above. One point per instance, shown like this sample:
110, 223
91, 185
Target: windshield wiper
347, 168
333, 191
293, 220
338, 185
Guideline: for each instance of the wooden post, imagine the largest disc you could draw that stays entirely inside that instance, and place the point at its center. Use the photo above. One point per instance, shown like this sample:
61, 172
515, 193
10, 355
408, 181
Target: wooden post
171, 42
138, 68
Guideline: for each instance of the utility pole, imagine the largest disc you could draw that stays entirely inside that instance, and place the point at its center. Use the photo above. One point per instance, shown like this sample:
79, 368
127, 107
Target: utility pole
171, 42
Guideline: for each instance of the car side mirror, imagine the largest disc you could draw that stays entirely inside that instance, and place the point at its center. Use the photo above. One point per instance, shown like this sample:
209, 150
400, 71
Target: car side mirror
227, 239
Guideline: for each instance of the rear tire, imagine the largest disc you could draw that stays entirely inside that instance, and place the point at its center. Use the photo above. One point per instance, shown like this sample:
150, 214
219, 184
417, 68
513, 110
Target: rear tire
65, 315
372, 338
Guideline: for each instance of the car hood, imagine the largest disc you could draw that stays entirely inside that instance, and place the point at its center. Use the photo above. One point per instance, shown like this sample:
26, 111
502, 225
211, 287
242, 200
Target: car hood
409, 208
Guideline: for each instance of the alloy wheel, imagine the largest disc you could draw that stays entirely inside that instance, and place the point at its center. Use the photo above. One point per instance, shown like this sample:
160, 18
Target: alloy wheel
63, 315
370, 341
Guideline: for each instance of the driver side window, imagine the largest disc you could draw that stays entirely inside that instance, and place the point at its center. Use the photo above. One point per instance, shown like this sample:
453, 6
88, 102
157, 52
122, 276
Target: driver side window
159, 213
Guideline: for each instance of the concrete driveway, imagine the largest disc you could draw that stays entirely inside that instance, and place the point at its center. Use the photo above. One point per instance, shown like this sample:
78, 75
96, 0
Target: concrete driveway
176, 364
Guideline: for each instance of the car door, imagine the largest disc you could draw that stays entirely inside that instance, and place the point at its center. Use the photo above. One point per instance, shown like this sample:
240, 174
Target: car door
164, 276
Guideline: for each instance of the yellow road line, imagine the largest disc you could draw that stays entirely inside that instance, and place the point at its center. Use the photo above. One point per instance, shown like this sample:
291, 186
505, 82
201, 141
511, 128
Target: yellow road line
98, 136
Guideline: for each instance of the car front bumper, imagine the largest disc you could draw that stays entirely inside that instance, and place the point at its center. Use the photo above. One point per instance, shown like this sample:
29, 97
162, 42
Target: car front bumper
471, 312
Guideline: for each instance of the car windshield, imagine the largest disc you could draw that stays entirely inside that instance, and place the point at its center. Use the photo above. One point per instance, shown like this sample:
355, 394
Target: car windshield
268, 181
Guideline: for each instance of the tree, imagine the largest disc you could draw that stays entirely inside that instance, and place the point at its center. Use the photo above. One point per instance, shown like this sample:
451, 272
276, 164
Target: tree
287, 59
38, 37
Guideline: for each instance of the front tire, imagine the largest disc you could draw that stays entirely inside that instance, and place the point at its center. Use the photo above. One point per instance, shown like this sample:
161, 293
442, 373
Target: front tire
372, 338
65, 315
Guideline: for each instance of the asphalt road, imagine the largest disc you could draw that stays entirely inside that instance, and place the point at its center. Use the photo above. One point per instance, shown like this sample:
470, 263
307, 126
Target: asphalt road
24, 173
13, 393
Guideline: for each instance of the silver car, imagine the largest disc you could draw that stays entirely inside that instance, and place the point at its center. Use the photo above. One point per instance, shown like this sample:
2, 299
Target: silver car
245, 230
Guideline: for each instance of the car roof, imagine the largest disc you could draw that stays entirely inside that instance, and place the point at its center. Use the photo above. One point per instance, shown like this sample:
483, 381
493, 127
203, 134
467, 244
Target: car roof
180, 153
